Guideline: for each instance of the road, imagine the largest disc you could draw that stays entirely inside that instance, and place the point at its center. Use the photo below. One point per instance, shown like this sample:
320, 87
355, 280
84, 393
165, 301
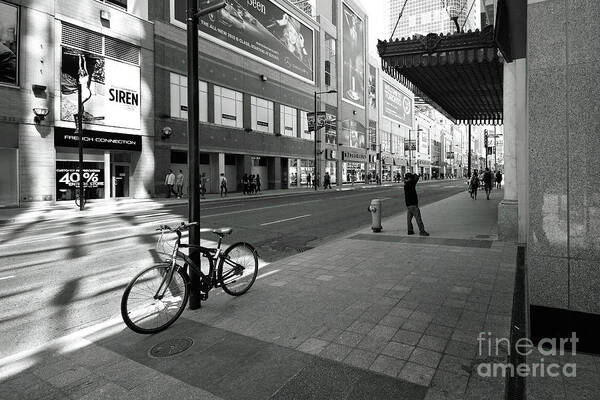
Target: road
60, 275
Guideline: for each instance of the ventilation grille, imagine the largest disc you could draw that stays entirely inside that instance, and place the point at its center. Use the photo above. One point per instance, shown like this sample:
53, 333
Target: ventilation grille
82, 39
122, 51
73, 36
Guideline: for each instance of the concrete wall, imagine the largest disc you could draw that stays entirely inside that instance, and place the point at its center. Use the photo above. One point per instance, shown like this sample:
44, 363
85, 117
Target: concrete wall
563, 59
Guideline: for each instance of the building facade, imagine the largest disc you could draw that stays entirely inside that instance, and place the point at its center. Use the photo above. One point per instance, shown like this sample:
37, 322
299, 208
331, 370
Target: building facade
107, 47
427, 16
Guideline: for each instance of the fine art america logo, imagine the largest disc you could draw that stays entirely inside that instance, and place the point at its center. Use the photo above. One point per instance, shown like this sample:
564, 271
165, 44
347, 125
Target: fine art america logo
496, 348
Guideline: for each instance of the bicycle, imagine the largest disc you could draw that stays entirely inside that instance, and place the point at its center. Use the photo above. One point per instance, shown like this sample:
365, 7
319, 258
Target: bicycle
157, 296
79, 198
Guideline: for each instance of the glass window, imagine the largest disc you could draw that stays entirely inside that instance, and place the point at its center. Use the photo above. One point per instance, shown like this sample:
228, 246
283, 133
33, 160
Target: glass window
9, 36
67, 180
288, 121
178, 157
116, 3
305, 134
228, 107
179, 100
330, 66
262, 115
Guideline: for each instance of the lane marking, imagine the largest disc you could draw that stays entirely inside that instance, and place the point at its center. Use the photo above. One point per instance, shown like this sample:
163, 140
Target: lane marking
283, 220
260, 208
7, 277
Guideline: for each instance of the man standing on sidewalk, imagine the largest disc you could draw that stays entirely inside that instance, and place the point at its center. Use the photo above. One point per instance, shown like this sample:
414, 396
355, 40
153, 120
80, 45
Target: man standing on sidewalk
412, 204
179, 182
170, 182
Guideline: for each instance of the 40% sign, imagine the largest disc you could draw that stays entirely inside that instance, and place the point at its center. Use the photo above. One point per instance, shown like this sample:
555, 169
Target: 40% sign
71, 178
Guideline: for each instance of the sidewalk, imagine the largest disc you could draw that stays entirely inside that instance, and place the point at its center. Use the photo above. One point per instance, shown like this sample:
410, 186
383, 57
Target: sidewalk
368, 316
68, 209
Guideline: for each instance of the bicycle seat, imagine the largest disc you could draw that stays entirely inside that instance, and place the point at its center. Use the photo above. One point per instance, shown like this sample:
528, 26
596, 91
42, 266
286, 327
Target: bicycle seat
222, 231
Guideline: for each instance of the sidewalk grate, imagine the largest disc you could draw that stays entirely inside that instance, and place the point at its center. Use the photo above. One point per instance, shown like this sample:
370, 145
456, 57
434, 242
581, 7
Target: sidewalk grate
170, 347
304, 248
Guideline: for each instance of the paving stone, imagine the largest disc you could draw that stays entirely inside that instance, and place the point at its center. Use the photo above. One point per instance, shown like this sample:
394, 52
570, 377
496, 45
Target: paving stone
69, 376
432, 343
378, 387
313, 346
328, 333
335, 352
398, 350
383, 332
450, 383
456, 365
348, 338
439, 331
28, 386
361, 327
415, 373
408, 337
425, 357
387, 365
415, 326
360, 358
372, 343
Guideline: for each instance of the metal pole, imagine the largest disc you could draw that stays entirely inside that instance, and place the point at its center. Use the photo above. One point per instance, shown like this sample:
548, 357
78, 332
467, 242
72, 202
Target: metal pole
469, 156
193, 147
495, 149
80, 131
315, 137
409, 152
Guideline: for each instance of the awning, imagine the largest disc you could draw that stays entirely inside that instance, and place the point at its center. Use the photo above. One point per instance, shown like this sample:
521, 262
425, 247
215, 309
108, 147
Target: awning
460, 74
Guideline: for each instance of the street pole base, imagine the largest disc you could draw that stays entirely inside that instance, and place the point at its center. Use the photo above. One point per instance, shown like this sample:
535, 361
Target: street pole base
377, 229
195, 301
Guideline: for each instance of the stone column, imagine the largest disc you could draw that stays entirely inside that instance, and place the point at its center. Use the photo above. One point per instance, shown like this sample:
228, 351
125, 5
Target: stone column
508, 208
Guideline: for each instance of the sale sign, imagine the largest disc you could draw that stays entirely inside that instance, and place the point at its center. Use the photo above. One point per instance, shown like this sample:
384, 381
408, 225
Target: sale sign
69, 176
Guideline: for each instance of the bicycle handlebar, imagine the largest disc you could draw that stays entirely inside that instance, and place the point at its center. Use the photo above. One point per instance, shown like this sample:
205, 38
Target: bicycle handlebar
179, 228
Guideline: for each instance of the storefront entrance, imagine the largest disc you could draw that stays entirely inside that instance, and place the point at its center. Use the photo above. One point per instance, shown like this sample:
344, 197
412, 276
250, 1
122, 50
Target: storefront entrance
120, 180
9, 177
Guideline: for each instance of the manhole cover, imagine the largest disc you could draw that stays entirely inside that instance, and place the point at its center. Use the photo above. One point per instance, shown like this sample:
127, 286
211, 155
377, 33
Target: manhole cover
170, 347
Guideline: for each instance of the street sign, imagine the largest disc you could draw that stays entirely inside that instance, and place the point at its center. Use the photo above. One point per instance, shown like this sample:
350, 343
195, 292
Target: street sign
321, 117
410, 145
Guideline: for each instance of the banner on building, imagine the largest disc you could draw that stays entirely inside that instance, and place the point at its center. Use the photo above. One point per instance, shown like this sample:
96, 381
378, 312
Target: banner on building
263, 30
372, 87
423, 142
410, 145
396, 105
9, 46
110, 89
353, 54
321, 118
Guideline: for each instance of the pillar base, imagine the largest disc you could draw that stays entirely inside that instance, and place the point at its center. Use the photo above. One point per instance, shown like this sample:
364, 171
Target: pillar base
508, 221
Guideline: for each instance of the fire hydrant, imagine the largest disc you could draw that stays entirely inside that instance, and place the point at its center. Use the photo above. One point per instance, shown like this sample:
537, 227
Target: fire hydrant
375, 210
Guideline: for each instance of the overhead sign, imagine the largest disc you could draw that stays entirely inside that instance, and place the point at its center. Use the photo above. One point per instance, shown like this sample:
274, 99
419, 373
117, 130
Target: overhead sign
97, 140
354, 156
353, 54
321, 118
261, 29
397, 106
111, 89
410, 145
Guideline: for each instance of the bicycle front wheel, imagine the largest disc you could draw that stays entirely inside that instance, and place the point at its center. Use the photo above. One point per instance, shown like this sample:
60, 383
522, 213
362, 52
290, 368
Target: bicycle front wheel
238, 269
150, 302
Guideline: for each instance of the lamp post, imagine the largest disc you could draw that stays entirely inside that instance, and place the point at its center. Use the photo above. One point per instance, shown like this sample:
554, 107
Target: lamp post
193, 14
410, 146
315, 130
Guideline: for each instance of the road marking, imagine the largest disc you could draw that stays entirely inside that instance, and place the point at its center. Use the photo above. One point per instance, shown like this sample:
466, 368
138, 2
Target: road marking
283, 220
7, 277
261, 208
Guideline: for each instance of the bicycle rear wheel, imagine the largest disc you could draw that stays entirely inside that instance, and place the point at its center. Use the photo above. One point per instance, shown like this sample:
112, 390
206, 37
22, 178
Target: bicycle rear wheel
145, 312
238, 268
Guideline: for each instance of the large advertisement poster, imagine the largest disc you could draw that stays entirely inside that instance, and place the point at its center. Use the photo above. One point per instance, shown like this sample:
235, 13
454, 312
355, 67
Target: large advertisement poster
9, 46
353, 49
423, 142
396, 105
262, 30
110, 89
372, 87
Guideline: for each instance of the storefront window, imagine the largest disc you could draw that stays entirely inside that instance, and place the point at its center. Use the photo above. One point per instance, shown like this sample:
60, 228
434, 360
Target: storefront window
373, 135
67, 180
353, 172
353, 134
288, 121
228, 107
306, 169
262, 115
331, 167
179, 103
293, 172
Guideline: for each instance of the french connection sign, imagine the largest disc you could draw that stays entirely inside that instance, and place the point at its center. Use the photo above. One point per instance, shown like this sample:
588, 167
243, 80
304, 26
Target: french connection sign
260, 29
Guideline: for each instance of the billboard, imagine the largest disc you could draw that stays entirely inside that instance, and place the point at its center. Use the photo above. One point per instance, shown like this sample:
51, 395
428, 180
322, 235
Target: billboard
262, 30
372, 87
396, 105
423, 142
9, 46
353, 49
110, 89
